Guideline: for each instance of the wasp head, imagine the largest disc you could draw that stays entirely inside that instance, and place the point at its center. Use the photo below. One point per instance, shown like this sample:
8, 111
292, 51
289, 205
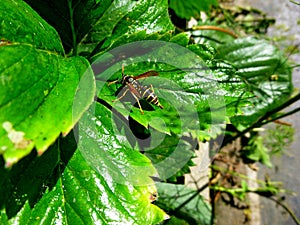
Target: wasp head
126, 79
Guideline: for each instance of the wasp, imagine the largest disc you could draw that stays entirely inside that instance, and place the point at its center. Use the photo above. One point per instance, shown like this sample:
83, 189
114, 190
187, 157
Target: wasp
137, 90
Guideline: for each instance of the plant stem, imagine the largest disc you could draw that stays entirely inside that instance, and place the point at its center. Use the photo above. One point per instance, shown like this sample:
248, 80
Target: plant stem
206, 27
292, 214
190, 198
281, 116
264, 120
297, 3
72, 27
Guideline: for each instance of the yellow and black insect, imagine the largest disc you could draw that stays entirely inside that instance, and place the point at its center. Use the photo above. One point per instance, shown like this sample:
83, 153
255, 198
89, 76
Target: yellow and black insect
137, 90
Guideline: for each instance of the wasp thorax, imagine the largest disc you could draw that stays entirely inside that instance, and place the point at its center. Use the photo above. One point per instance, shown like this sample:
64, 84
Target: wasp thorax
127, 79
139, 91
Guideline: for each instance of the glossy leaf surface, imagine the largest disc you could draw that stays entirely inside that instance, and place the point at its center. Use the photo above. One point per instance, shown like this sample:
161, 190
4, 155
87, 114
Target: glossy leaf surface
194, 91
38, 85
88, 26
21, 24
71, 191
265, 71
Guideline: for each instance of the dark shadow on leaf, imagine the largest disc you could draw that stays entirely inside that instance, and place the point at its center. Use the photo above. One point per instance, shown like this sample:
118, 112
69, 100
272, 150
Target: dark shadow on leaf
3, 179
33, 175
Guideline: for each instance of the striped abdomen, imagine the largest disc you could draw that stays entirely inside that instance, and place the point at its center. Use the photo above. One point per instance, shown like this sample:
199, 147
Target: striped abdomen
148, 94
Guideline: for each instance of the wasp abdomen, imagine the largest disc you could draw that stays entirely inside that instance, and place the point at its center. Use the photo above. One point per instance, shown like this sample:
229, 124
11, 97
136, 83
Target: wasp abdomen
150, 96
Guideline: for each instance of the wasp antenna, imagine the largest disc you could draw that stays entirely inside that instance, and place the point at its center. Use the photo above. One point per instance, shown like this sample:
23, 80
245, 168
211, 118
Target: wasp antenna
123, 69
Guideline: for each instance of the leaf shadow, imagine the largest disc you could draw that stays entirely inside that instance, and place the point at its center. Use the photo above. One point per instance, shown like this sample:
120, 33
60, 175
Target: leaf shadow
29, 179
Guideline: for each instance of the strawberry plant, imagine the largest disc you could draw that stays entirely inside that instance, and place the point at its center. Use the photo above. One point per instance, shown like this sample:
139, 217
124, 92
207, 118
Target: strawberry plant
74, 152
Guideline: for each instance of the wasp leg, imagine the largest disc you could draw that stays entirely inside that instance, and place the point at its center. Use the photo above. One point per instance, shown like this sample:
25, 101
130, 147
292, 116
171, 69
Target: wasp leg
137, 99
158, 104
151, 86
122, 69
122, 96
112, 82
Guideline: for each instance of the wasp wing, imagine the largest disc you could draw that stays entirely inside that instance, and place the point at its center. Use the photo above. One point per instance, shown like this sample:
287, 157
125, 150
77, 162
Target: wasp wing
134, 91
146, 74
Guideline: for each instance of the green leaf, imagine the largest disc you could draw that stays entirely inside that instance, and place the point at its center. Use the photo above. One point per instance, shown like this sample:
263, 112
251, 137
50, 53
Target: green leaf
193, 97
42, 93
176, 221
85, 26
195, 211
266, 73
75, 20
127, 172
47, 92
64, 186
144, 21
27, 181
278, 138
45, 96
188, 9
256, 151
172, 157
215, 37
20, 24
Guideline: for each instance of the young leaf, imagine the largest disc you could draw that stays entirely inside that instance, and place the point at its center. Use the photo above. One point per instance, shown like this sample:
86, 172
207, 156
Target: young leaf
256, 151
